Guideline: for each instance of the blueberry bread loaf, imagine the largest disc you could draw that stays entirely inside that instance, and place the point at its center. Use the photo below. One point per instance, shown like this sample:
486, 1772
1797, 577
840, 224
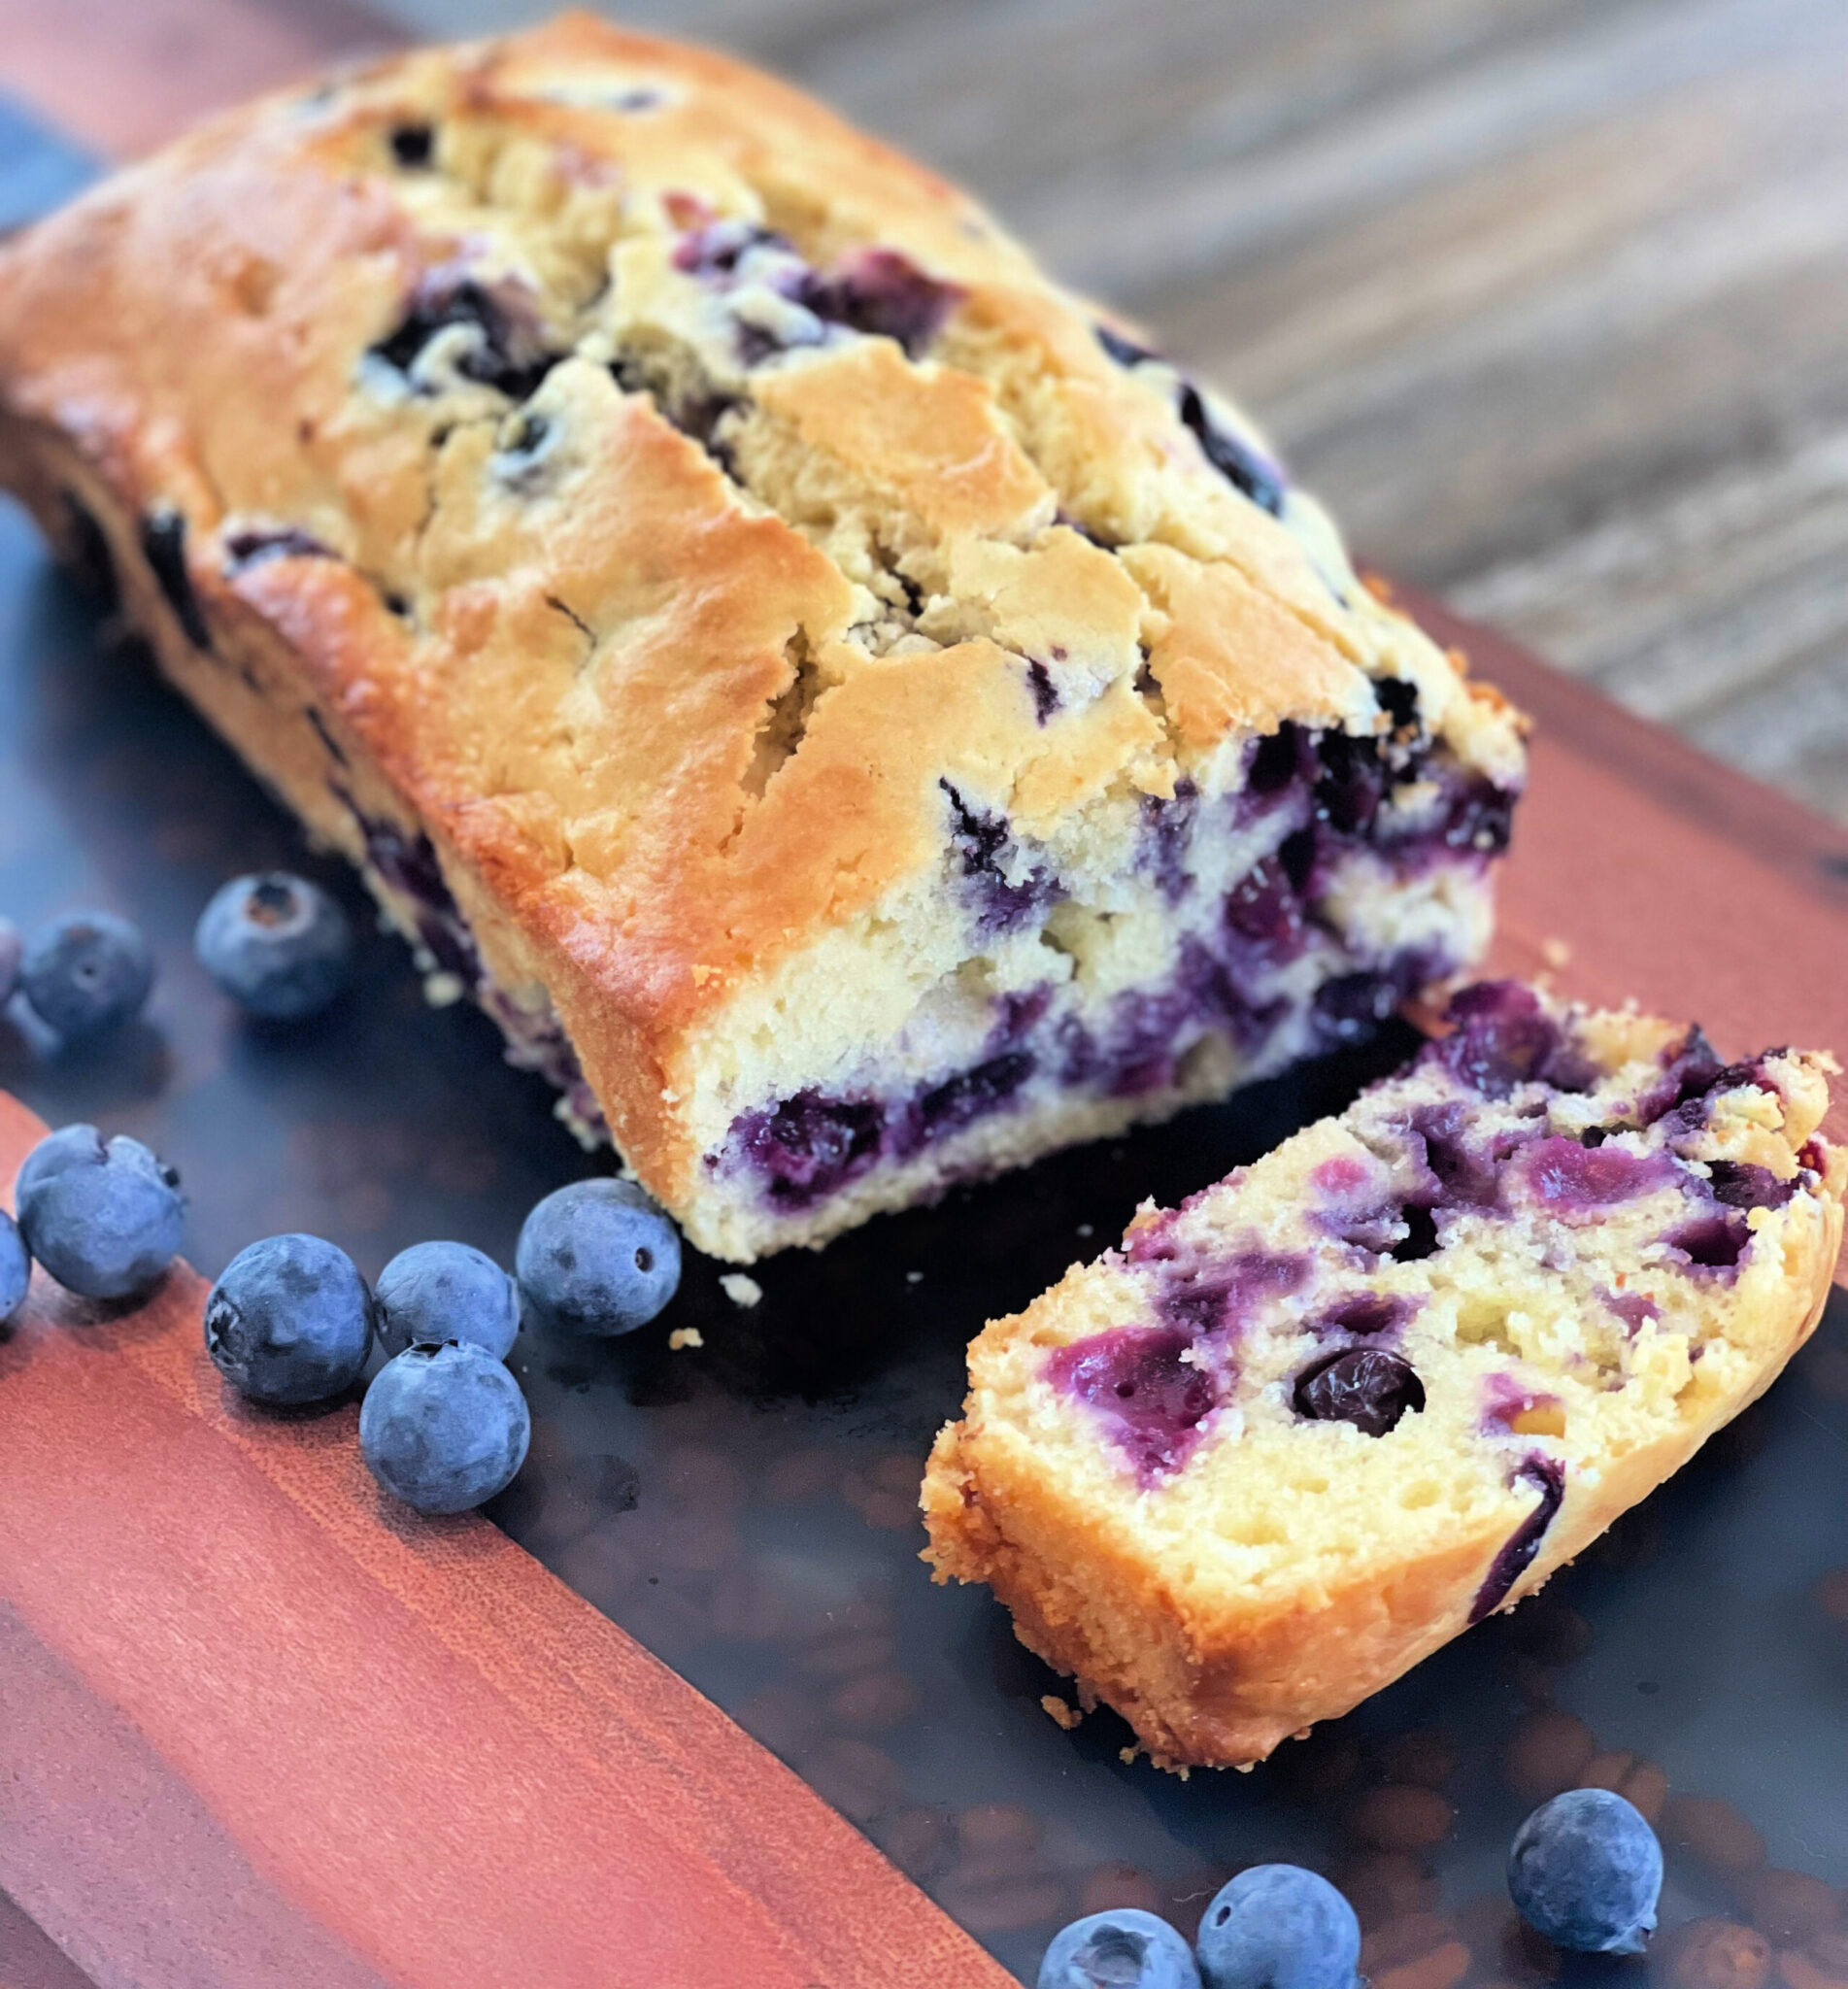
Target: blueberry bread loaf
1294, 1434
853, 713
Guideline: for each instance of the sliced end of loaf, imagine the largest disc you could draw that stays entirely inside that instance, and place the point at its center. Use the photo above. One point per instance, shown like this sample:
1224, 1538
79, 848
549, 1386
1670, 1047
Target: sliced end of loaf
1293, 1436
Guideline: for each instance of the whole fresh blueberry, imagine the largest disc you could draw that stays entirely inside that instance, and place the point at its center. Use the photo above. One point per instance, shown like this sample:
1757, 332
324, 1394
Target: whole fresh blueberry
443, 1427
1279, 1927
15, 1267
104, 1217
597, 1256
276, 944
11, 948
436, 1291
1123, 1949
86, 972
1586, 1871
290, 1321
1366, 1386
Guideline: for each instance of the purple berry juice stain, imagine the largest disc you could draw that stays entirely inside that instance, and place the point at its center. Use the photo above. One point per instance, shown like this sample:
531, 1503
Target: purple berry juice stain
1571, 1181
1548, 1475
1151, 1398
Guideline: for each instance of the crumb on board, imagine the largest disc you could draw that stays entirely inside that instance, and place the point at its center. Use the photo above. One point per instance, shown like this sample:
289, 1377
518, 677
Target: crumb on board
589, 1138
1556, 951
1060, 1712
914, 1277
1132, 1754
1086, 1230
739, 1289
686, 1337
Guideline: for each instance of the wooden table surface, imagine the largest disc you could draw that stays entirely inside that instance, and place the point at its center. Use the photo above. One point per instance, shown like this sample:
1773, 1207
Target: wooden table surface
1549, 297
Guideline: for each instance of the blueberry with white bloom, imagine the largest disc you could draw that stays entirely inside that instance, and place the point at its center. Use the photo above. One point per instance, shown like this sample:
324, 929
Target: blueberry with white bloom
1279, 1927
104, 1217
290, 1321
443, 1427
597, 1257
15, 1267
86, 972
446, 1292
1586, 1871
1125, 1948
277, 945
12, 946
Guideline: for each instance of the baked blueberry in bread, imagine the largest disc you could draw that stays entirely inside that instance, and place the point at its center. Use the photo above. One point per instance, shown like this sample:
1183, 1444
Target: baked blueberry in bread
1294, 1434
854, 715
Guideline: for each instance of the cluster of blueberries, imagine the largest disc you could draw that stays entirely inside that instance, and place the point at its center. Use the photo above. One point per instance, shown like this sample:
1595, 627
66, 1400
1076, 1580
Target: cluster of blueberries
444, 1425
277, 945
1585, 1872
291, 1323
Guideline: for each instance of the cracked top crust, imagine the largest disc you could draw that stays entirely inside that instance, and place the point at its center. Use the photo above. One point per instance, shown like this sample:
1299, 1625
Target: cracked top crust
671, 487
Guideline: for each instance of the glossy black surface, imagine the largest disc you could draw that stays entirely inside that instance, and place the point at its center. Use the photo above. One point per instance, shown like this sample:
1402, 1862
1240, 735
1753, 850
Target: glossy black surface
747, 1508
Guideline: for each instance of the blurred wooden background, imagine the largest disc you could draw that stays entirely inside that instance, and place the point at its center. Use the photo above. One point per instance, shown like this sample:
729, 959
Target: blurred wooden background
1548, 297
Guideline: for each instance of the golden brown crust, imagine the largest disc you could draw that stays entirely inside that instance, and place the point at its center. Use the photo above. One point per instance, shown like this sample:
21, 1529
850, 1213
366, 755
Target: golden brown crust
578, 701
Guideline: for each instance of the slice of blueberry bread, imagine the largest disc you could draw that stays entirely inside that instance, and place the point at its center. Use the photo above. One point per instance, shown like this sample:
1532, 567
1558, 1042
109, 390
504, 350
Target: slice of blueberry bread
855, 715
1294, 1434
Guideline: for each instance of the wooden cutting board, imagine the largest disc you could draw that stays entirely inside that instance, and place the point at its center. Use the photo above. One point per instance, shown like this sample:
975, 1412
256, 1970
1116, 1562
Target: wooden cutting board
262, 1730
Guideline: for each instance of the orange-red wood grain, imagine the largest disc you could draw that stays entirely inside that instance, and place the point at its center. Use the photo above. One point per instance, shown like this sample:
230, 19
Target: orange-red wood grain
261, 1729
1641, 869
126, 74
